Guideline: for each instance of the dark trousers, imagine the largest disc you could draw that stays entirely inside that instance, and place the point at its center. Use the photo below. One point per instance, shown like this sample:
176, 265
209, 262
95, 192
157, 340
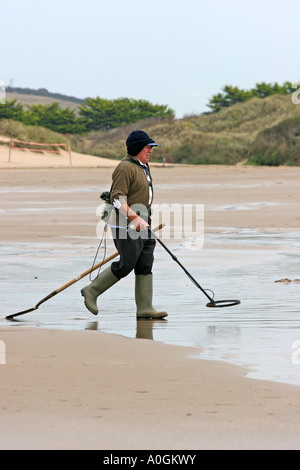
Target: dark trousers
135, 254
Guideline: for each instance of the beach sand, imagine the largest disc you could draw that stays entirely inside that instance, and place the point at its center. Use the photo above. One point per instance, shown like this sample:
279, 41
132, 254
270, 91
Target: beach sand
92, 390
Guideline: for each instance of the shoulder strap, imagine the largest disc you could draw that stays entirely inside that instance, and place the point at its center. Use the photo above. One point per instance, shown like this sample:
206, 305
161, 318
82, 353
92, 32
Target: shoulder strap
129, 158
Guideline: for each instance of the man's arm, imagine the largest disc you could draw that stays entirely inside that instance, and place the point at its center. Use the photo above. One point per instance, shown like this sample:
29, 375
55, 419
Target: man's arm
138, 222
121, 181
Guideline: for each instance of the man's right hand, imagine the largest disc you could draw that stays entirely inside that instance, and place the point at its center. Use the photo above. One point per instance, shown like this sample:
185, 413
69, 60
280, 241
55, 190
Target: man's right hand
140, 224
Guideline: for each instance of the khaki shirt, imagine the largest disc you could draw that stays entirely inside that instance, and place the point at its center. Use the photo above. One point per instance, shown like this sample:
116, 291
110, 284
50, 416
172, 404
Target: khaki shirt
129, 181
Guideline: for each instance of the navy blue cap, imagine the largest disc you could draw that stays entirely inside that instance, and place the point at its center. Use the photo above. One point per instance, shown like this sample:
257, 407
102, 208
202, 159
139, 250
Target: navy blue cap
137, 140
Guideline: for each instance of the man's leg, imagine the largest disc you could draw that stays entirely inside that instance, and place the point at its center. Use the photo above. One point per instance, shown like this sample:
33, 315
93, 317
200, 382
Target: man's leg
144, 283
130, 251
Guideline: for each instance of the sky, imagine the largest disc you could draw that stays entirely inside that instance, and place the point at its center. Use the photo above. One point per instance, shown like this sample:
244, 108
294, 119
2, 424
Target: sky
170, 52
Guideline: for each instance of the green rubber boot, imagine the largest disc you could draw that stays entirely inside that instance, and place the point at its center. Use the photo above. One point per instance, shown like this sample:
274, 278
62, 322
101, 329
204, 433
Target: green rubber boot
143, 297
104, 281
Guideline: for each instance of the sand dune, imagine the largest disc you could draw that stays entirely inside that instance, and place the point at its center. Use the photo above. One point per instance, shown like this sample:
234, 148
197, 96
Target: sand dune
29, 159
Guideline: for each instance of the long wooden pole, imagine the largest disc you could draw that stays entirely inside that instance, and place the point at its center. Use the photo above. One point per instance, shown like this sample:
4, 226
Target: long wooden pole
75, 279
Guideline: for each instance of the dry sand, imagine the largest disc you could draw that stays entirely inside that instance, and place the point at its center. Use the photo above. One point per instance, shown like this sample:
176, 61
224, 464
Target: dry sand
15, 158
90, 390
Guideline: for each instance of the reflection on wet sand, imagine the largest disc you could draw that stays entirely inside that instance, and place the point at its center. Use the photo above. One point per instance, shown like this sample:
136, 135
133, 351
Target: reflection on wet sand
144, 328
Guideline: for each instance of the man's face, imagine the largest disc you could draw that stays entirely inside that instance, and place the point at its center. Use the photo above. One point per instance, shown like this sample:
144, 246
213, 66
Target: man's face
145, 154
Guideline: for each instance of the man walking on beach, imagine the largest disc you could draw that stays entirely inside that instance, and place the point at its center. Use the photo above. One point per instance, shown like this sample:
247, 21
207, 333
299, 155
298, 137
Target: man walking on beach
131, 194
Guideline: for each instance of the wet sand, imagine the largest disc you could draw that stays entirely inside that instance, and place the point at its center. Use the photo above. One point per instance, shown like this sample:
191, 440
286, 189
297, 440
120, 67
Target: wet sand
83, 385
87, 390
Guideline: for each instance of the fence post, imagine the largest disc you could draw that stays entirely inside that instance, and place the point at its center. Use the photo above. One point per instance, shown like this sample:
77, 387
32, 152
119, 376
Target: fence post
69, 149
9, 152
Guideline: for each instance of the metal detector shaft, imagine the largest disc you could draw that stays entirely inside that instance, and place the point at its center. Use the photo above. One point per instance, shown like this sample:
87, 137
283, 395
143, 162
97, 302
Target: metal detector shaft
70, 283
182, 267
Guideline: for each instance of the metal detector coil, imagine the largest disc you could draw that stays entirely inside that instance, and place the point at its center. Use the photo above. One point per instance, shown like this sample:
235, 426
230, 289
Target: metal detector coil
222, 303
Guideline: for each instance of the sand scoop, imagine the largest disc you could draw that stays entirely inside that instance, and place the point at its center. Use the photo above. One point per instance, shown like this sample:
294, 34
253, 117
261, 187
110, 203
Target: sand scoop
65, 286
70, 283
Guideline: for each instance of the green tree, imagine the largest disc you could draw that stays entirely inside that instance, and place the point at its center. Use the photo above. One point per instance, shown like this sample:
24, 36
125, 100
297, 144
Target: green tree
262, 90
103, 114
230, 96
11, 110
55, 118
